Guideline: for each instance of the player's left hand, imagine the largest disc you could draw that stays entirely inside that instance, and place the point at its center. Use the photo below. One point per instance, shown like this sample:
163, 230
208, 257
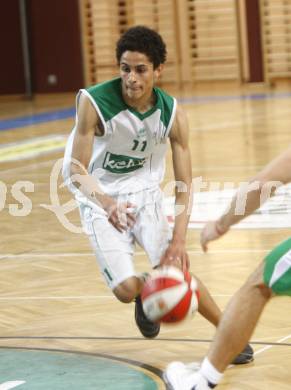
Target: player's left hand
176, 255
211, 231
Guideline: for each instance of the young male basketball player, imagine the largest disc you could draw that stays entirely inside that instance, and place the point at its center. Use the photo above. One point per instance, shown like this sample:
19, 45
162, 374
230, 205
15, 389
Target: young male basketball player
114, 163
271, 278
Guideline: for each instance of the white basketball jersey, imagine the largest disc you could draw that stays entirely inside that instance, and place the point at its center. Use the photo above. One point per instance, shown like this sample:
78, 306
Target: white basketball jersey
130, 156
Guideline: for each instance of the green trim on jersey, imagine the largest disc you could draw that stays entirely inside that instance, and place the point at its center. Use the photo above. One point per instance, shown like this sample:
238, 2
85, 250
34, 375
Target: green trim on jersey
165, 103
277, 272
108, 97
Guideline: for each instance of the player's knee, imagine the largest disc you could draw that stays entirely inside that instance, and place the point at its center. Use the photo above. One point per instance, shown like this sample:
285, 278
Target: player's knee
124, 298
126, 291
256, 278
255, 282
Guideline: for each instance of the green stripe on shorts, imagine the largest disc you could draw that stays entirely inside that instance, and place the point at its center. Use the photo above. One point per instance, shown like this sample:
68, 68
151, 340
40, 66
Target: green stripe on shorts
277, 272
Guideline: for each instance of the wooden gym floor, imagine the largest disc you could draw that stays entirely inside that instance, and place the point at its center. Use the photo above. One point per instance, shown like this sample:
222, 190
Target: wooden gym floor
51, 293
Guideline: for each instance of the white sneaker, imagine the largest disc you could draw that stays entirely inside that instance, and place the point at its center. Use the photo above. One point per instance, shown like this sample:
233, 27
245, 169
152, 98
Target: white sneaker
179, 376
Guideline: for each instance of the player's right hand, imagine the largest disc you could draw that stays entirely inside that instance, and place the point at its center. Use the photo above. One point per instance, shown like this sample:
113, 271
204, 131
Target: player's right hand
120, 215
209, 233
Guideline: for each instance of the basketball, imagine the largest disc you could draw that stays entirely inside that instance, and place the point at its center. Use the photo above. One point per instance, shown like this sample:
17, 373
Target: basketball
169, 295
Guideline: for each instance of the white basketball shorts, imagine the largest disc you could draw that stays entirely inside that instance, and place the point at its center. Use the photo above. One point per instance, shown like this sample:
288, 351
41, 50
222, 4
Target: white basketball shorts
114, 250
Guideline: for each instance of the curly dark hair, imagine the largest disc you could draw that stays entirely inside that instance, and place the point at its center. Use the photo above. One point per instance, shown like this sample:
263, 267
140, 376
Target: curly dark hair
143, 40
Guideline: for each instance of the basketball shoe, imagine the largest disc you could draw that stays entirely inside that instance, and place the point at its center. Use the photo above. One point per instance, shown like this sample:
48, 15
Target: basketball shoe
147, 328
179, 376
246, 356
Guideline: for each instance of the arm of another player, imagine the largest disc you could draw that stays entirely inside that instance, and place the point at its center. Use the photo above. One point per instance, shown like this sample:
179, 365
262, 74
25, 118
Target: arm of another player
179, 137
257, 191
88, 125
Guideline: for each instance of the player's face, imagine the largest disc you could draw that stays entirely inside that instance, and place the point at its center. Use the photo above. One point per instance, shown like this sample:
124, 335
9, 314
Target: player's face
138, 75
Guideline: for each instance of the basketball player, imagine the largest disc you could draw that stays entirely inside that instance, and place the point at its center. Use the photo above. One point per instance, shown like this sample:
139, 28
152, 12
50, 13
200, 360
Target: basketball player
114, 163
271, 278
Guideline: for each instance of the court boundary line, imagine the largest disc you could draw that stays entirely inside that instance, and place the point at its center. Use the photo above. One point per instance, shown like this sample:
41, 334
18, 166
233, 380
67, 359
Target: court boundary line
271, 345
104, 338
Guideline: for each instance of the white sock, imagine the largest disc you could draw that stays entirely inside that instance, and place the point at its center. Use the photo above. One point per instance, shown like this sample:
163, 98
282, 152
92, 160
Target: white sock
210, 372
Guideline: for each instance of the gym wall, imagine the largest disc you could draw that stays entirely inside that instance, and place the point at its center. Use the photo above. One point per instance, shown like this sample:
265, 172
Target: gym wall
72, 42
208, 40
54, 46
11, 64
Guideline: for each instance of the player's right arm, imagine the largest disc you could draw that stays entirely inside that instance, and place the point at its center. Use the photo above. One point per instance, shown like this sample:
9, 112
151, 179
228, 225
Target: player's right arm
258, 190
89, 125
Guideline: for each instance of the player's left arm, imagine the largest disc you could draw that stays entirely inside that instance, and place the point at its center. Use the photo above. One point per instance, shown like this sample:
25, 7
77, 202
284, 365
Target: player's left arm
179, 137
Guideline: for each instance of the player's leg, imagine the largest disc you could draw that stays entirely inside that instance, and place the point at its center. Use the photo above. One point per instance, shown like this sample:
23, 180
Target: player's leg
234, 331
153, 233
273, 277
127, 291
209, 310
244, 310
239, 320
114, 254
114, 251
207, 306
